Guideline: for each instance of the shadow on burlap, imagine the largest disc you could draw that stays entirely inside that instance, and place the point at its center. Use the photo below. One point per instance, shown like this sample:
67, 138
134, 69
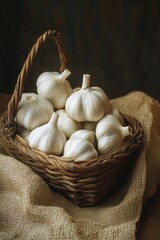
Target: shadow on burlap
30, 210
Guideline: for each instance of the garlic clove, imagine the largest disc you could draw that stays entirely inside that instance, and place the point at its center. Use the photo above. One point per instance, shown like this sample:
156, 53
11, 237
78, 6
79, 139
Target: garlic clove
66, 123
85, 134
54, 87
79, 149
33, 111
48, 138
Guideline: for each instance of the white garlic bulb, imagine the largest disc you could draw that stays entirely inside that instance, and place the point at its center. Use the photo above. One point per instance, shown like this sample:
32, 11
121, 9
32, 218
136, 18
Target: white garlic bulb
88, 103
54, 87
85, 134
33, 111
23, 132
48, 138
79, 149
66, 123
110, 134
89, 125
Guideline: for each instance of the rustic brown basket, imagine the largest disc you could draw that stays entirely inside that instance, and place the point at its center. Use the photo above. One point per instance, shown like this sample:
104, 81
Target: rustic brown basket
85, 183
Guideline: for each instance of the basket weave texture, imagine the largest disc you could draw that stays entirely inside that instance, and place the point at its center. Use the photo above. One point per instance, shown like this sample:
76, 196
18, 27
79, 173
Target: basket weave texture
87, 182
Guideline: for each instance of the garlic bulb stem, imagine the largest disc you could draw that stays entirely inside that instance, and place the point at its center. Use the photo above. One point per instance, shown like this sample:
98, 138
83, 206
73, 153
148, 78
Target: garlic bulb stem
64, 74
30, 98
125, 131
86, 81
53, 120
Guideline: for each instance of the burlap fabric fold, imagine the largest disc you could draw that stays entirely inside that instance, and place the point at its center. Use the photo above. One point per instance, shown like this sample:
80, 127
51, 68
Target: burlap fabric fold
30, 210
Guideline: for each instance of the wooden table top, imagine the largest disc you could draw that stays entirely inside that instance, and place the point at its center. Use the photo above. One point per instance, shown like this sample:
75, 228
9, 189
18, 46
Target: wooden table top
148, 228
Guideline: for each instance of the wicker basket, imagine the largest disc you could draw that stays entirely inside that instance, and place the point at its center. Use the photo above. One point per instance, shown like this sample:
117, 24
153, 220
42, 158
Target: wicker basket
85, 183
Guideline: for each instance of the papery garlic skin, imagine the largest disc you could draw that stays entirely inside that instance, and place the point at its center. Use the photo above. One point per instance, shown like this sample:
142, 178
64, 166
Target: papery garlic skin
66, 123
89, 125
79, 149
23, 132
85, 134
33, 111
54, 87
110, 134
88, 103
48, 138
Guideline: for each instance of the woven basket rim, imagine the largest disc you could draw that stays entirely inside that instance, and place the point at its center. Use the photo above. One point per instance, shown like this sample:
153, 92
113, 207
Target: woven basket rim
131, 144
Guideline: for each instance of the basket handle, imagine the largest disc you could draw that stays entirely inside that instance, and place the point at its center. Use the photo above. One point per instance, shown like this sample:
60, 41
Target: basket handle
17, 94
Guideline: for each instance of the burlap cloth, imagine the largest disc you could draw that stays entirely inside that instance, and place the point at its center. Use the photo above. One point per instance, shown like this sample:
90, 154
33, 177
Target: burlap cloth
30, 210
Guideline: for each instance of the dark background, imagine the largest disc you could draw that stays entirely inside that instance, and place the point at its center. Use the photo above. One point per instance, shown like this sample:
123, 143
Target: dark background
116, 41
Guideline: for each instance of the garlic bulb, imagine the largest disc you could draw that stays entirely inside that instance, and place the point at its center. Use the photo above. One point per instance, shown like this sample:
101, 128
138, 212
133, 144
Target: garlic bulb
23, 132
104, 125
89, 125
88, 103
85, 134
79, 149
48, 138
110, 134
33, 111
54, 87
66, 123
